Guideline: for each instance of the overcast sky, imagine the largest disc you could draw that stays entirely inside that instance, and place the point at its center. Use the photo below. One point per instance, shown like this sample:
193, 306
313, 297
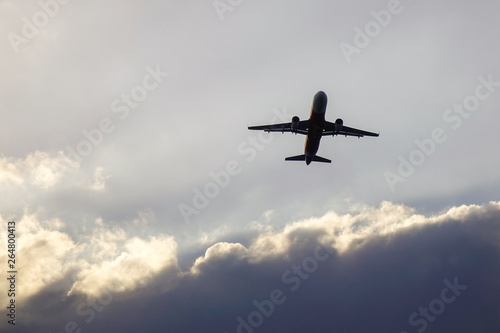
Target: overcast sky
142, 202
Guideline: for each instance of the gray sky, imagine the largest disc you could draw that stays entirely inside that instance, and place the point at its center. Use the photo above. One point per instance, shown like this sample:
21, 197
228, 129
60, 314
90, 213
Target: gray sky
117, 115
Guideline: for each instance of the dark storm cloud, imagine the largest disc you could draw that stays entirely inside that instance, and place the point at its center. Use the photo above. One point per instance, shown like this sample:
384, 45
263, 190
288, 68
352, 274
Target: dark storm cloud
384, 269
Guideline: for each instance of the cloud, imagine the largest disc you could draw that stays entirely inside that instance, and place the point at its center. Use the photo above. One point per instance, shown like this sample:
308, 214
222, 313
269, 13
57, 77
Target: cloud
108, 259
382, 264
41, 249
139, 261
386, 264
39, 169
44, 170
99, 183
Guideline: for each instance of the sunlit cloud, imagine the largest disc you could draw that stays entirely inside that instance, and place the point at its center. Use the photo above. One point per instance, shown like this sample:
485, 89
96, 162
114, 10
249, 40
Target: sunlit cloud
99, 183
41, 253
40, 169
139, 261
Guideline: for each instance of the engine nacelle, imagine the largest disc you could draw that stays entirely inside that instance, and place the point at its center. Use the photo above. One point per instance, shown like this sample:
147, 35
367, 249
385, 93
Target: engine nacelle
338, 125
295, 123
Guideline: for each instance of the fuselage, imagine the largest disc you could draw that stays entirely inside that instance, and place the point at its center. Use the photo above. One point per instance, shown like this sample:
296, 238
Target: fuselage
316, 124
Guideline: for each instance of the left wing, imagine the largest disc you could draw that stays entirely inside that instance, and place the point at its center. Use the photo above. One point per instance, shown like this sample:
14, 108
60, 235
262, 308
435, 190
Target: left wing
329, 129
284, 127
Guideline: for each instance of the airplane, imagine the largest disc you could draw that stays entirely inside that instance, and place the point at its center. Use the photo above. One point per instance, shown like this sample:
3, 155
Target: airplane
315, 127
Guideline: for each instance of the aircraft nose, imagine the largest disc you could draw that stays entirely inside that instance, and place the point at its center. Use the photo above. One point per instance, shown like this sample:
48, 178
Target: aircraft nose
320, 94
320, 101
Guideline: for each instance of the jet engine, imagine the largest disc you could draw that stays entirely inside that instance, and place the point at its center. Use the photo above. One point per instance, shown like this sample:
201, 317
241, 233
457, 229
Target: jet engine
338, 125
295, 123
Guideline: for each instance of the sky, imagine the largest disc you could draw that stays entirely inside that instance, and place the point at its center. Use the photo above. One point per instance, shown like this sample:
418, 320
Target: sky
138, 199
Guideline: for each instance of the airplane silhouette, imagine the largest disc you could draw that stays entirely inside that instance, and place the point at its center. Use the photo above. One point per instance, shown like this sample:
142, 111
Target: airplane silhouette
315, 128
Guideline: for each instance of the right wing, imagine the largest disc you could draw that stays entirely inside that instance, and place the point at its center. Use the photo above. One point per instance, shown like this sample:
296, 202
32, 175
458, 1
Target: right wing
284, 127
329, 129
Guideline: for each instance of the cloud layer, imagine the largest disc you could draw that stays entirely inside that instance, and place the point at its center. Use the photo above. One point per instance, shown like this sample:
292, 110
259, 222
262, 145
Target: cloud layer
380, 268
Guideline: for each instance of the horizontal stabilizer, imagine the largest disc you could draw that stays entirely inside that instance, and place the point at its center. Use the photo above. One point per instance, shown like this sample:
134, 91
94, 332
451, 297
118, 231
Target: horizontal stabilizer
317, 158
302, 157
296, 158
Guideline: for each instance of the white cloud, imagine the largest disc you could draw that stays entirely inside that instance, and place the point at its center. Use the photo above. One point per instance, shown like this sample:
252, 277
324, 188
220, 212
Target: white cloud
143, 218
109, 259
342, 232
40, 253
40, 169
138, 263
220, 251
9, 172
99, 184
267, 214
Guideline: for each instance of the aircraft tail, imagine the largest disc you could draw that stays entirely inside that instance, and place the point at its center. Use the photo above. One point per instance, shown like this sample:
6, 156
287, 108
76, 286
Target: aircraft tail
317, 158
296, 158
302, 157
